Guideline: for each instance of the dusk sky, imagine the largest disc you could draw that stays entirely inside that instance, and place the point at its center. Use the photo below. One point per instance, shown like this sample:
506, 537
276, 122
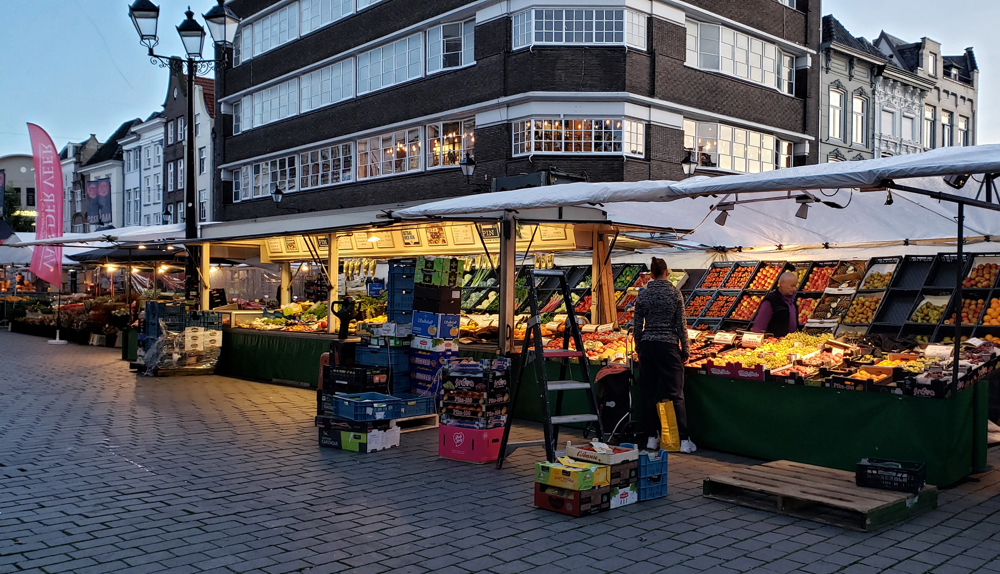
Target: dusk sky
75, 67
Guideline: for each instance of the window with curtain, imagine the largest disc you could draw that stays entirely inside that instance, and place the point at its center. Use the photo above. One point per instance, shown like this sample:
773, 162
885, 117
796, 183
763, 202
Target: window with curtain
836, 115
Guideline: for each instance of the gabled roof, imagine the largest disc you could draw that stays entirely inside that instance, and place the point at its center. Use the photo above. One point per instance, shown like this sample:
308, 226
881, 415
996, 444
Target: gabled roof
208, 87
966, 64
835, 33
112, 150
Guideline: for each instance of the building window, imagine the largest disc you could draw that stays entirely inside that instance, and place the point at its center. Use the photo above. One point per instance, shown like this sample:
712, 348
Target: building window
29, 197
932, 63
720, 49
170, 176
859, 110
202, 160
448, 142
552, 135
946, 126
135, 205
906, 130
736, 149
197, 125
451, 46
635, 138
929, 121
149, 193
327, 85
237, 185
147, 220
836, 114
319, 13
389, 154
275, 29
180, 211
888, 123
389, 65
246, 110
279, 172
180, 129
963, 131
326, 166
202, 205
128, 206
157, 153
180, 175
789, 3
147, 156
238, 47
554, 26
159, 188
275, 103
170, 133
237, 117
366, 3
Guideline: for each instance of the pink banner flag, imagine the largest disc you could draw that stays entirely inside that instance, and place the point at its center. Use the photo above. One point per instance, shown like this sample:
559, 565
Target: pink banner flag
46, 261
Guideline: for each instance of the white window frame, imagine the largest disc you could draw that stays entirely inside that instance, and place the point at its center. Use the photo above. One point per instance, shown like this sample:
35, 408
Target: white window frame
393, 153
716, 48
362, 4
947, 128
405, 56
591, 136
237, 117
326, 86
445, 146
275, 29
136, 210
735, 149
157, 154
963, 132
329, 165
835, 118
882, 117
202, 160
202, 205
170, 176
277, 102
180, 129
584, 27
197, 125
158, 187
929, 123
454, 51
148, 159
149, 193
932, 64
316, 14
859, 109
911, 136
170, 133
180, 175
237, 175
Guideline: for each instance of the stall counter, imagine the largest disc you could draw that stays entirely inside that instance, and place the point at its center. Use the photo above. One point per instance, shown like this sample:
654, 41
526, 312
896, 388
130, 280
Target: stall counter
273, 356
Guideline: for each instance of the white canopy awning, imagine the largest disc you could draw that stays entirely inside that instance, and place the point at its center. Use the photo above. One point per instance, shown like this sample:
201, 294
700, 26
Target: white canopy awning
121, 236
14, 251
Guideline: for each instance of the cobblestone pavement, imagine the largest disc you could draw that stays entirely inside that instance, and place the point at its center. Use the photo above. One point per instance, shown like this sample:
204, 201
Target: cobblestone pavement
101, 471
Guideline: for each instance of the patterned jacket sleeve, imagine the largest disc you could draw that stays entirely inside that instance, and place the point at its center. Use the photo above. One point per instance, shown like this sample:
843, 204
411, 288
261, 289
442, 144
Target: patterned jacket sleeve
681, 325
639, 318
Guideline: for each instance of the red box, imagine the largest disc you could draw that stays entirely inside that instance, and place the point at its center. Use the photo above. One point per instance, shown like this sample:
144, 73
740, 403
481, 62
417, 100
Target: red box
469, 445
572, 502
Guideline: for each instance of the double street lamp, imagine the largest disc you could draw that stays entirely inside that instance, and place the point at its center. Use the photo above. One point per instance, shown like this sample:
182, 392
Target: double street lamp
222, 24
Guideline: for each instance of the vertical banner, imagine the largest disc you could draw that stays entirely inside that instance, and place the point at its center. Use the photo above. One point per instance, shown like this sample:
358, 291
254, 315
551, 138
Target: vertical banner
46, 261
104, 201
93, 206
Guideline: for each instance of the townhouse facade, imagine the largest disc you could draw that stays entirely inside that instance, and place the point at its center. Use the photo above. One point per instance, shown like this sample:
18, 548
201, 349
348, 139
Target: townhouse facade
71, 158
176, 144
360, 102
105, 164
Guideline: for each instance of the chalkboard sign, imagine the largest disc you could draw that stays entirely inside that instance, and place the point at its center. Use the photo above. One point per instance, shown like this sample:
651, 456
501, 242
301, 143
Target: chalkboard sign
217, 298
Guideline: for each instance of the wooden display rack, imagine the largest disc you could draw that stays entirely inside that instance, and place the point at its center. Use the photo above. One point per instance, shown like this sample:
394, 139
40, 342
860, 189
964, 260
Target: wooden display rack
819, 494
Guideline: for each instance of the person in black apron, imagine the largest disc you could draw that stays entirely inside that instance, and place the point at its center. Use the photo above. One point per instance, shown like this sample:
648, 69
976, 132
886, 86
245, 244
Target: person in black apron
777, 314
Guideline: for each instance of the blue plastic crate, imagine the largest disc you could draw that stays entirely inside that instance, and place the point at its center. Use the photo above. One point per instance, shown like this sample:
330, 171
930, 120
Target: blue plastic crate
650, 463
400, 316
401, 301
414, 405
401, 383
652, 487
366, 407
396, 358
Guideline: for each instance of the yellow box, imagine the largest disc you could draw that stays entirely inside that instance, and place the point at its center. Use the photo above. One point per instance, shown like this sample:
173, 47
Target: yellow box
577, 476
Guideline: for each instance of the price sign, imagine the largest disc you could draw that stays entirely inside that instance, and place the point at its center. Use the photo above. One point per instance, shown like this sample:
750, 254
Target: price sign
837, 351
553, 326
588, 329
939, 351
725, 338
975, 342
606, 328
693, 335
753, 340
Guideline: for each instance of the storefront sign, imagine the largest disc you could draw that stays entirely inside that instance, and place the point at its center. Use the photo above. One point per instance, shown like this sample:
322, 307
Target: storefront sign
463, 235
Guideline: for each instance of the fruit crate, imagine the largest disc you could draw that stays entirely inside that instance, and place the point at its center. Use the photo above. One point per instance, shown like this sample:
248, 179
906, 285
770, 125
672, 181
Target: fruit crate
757, 283
726, 308
879, 265
627, 276
990, 259
739, 302
814, 268
366, 407
706, 325
945, 334
912, 273
937, 297
879, 295
690, 307
799, 307
896, 308
717, 274
945, 267
740, 275
415, 405
801, 269
967, 295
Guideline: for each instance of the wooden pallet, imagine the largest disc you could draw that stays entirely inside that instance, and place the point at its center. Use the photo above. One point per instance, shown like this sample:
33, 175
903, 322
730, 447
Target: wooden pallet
819, 494
414, 424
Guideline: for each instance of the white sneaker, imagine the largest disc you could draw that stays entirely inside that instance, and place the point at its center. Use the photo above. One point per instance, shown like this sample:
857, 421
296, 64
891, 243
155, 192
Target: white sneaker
688, 447
653, 443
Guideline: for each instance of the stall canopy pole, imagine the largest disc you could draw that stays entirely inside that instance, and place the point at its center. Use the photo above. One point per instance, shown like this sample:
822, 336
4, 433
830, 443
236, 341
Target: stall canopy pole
508, 276
959, 268
603, 288
206, 269
286, 281
333, 277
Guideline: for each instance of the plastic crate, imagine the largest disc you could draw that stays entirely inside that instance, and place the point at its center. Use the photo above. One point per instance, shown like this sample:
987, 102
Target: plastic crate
396, 358
752, 265
414, 405
401, 383
912, 273
726, 267
895, 308
945, 266
368, 378
887, 474
365, 406
401, 301
400, 316
650, 463
652, 487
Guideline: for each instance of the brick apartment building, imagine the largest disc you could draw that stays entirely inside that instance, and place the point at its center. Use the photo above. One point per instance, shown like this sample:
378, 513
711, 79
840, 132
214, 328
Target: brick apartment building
343, 103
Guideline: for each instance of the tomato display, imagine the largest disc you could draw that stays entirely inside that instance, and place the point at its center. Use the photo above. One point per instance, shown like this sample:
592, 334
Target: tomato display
714, 277
739, 277
746, 308
766, 277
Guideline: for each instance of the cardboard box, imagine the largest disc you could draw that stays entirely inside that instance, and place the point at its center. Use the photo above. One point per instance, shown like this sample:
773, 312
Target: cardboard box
469, 445
586, 452
474, 411
430, 359
434, 345
624, 495
391, 329
624, 473
572, 502
484, 398
484, 382
572, 477
479, 423
372, 441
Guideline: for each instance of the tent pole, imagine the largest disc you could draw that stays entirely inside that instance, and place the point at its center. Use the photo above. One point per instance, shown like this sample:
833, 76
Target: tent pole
507, 279
959, 268
286, 282
206, 270
333, 278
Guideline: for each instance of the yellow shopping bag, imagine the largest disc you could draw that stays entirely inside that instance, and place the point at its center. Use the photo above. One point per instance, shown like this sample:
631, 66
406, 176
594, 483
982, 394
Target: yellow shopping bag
670, 438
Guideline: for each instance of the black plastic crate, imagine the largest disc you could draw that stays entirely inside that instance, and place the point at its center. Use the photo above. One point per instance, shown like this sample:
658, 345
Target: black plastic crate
335, 376
887, 474
701, 309
943, 270
752, 265
725, 266
734, 293
812, 268
968, 294
948, 332
896, 307
930, 292
912, 272
920, 332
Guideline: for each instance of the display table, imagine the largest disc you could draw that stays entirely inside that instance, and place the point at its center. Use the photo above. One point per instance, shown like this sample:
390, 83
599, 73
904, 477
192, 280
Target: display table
273, 356
836, 429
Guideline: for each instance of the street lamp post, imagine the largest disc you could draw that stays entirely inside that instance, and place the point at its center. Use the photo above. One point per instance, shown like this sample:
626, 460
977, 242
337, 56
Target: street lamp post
222, 24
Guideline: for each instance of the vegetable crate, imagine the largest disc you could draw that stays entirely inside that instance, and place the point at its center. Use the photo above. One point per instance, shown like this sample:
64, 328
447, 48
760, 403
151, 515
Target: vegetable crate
366, 407
415, 405
396, 358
